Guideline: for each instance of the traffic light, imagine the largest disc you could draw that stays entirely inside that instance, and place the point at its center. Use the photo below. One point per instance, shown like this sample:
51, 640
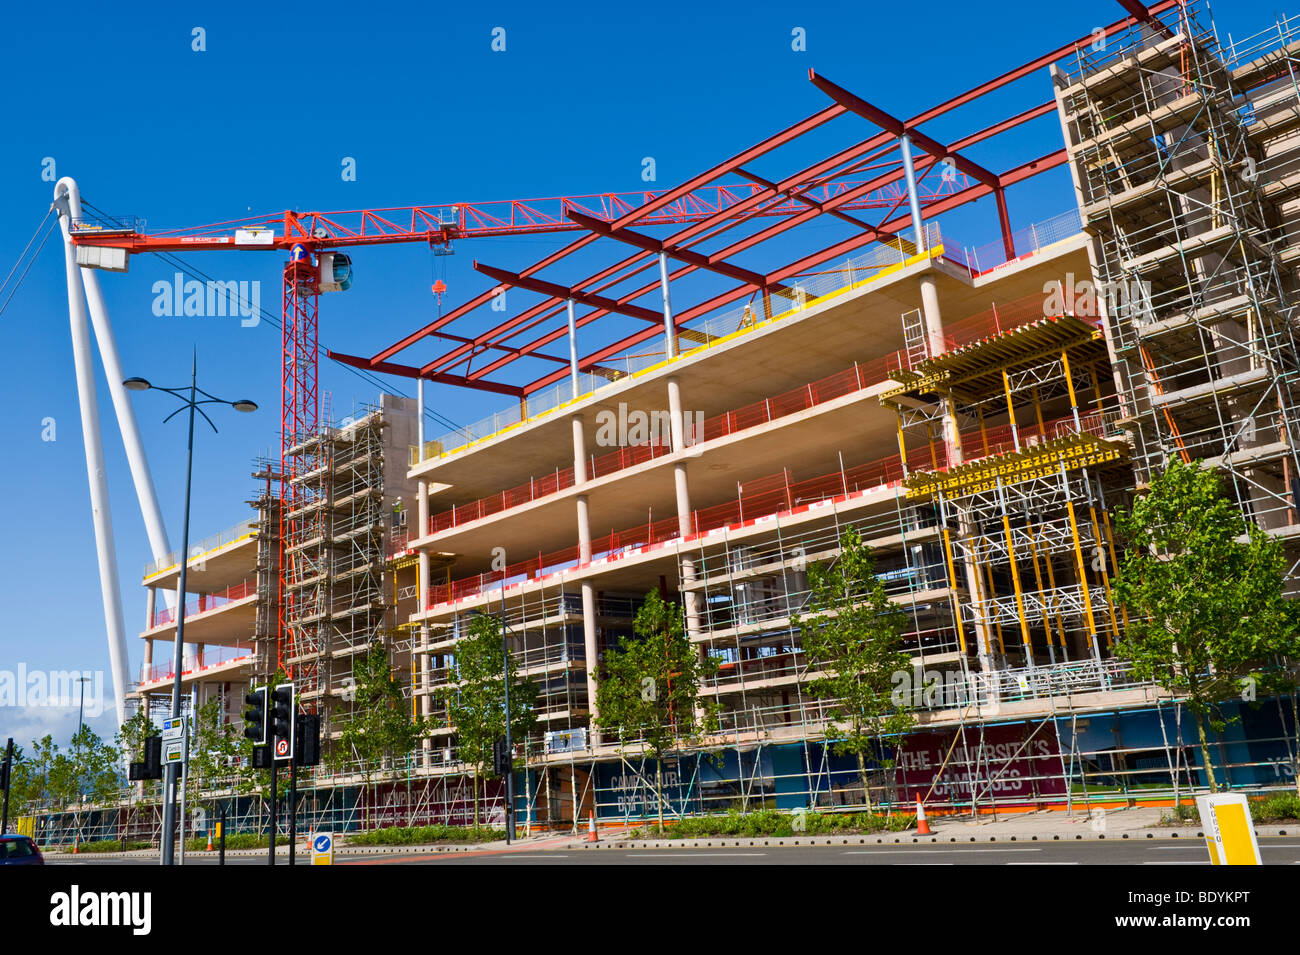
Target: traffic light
308, 729
500, 758
261, 757
282, 722
255, 717
152, 767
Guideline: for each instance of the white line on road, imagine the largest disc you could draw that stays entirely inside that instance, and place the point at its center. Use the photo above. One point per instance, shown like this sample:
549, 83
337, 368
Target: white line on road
694, 855
936, 850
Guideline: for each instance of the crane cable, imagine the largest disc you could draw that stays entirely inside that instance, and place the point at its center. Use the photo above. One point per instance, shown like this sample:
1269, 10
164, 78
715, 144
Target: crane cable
30, 262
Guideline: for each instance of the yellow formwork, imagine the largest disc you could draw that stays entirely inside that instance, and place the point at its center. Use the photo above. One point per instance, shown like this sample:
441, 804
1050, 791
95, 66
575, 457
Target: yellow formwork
1074, 451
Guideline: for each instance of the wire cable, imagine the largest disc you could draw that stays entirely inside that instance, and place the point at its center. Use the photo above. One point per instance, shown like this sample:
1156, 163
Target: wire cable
30, 262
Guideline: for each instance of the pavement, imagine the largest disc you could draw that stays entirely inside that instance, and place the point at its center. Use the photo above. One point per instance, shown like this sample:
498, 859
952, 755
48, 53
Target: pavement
1114, 836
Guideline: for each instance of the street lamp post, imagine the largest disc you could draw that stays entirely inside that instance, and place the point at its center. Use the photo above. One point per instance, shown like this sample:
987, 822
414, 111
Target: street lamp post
191, 400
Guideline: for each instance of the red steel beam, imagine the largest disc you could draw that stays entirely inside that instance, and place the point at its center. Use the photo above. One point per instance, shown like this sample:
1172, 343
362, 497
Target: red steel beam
817, 119
970, 194
898, 128
819, 172
407, 371
650, 244
562, 292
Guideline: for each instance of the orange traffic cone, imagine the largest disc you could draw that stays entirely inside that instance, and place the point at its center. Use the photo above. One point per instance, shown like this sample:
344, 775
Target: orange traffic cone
922, 827
209, 849
592, 836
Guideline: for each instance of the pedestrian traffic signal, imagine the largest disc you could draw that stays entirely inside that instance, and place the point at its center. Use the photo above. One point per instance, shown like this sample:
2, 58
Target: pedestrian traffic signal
500, 758
255, 717
282, 722
261, 757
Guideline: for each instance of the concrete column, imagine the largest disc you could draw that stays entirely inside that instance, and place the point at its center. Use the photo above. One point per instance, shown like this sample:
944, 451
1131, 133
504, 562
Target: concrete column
150, 605
676, 423
422, 515
952, 444
590, 649
685, 525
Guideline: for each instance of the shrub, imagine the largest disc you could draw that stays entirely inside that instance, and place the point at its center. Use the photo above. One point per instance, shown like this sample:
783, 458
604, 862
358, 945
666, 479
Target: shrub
769, 822
234, 840
1275, 807
424, 835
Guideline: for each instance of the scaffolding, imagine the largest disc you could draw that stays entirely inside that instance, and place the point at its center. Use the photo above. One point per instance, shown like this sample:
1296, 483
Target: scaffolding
334, 601
1020, 493
1185, 158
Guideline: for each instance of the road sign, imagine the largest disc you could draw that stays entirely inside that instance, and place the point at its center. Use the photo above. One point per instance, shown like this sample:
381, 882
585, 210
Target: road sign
1229, 833
322, 848
173, 728
174, 751
282, 748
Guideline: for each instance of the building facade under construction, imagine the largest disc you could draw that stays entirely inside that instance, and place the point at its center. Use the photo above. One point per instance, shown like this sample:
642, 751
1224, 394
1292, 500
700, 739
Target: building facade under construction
976, 413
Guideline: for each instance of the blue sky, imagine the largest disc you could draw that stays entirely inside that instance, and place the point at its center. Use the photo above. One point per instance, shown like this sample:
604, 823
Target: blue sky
261, 120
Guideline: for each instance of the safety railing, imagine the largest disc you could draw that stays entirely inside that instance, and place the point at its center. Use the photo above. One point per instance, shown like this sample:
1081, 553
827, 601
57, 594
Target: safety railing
206, 603
774, 494
210, 659
860, 376
1025, 242
220, 539
1240, 52
881, 260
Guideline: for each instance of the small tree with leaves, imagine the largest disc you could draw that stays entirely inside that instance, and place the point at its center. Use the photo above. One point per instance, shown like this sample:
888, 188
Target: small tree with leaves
853, 642
475, 699
381, 729
216, 754
1202, 589
649, 691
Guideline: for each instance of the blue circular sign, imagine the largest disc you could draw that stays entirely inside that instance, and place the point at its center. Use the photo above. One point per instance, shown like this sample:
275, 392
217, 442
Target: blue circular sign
321, 843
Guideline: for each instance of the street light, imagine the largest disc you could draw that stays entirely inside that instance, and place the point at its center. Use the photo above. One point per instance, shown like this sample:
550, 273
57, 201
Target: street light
190, 399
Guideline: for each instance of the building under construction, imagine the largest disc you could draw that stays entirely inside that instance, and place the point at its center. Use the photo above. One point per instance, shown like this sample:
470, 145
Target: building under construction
976, 412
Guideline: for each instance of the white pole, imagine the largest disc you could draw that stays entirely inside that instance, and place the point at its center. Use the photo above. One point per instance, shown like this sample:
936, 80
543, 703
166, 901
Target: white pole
145, 492
101, 514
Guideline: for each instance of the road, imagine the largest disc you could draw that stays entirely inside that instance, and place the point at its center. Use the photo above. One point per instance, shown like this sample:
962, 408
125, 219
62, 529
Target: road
1276, 851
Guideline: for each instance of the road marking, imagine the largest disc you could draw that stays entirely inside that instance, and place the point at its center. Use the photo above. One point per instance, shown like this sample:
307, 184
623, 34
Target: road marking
937, 849
1041, 863
693, 854
1175, 863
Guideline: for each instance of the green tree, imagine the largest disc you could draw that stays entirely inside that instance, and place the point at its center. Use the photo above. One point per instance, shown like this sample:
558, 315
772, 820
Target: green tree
853, 641
216, 751
1202, 589
39, 770
21, 788
475, 701
381, 729
649, 692
132, 734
